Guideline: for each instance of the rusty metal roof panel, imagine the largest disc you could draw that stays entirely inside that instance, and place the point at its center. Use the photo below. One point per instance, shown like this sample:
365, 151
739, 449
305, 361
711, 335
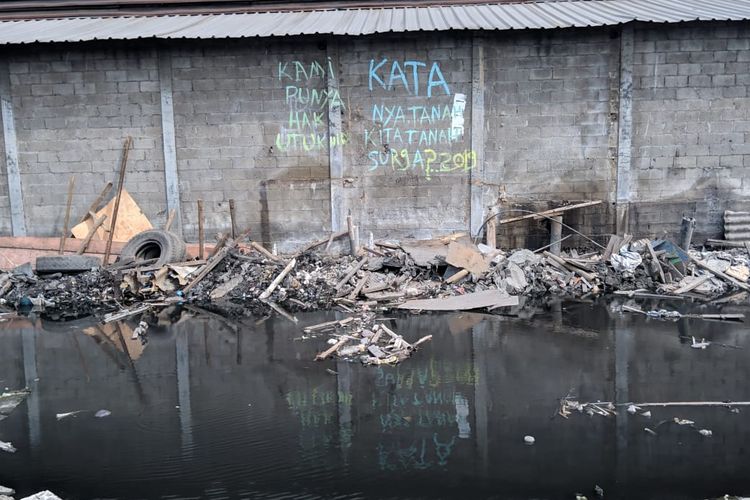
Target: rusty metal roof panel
364, 21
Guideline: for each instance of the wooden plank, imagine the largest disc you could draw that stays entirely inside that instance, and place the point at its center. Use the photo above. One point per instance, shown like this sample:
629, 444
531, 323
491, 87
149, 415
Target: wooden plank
97, 202
721, 275
131, 221
580, 272
693, 285
475, 300
613, 242
338, 345
656, 261
170, 220
215, 260
360, 284
267, 293
260, 248
118, 197
97, 224
351, 273
551, 212
468, 257
318, 243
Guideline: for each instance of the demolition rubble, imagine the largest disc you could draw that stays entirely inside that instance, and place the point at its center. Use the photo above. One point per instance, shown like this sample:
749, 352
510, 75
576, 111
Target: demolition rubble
245, 279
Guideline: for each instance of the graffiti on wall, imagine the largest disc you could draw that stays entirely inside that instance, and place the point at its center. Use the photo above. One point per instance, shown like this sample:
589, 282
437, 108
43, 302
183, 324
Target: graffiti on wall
306, 101
423, 137
418, 137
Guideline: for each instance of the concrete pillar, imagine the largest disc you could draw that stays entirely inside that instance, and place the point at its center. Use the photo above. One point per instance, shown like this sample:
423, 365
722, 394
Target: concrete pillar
555, 234
335, 149
625, 130
31, 378
15, 194
171, 178
477, 134
182, 355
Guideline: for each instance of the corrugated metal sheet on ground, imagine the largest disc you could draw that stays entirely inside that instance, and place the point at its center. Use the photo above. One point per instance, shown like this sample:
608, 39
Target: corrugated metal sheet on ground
577, 13
736, 226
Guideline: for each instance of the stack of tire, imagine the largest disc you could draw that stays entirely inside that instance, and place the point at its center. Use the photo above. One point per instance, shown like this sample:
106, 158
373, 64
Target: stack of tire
163, 246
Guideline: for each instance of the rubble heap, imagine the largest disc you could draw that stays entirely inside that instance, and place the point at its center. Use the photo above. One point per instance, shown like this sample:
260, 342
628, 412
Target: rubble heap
244, 279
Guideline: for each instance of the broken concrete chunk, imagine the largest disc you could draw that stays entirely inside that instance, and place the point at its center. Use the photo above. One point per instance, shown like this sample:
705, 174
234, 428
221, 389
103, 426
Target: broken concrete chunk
524, 258
516, 281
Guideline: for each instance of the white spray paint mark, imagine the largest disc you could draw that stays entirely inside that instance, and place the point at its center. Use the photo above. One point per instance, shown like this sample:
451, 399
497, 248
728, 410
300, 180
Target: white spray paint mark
457, 116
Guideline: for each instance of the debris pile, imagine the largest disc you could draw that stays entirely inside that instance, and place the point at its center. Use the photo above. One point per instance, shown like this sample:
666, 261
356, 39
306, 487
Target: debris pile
449, 273
372, 342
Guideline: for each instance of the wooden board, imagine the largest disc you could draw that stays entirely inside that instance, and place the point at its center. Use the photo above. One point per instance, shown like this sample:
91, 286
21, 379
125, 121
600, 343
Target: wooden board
130, 221
476, 300
468, 257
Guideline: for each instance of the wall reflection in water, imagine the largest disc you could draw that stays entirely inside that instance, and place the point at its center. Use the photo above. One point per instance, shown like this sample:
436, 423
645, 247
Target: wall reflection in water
208, 408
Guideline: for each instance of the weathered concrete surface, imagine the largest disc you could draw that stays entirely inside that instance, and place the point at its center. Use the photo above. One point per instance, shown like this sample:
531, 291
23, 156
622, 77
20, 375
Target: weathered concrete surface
252, 123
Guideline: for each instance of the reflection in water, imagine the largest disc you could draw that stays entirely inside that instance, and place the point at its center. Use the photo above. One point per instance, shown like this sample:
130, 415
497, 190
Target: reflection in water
213, 409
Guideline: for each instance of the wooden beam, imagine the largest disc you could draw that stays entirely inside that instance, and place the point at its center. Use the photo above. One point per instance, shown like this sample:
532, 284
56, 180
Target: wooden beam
551, 213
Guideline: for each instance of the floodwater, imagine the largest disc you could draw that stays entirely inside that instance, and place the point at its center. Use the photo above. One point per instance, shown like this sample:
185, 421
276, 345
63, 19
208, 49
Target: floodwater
208, 409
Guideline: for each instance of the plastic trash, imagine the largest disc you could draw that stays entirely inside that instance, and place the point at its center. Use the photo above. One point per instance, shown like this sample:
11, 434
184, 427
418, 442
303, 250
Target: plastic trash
626, 261
699, 345
705, 432
102, 413
529, 440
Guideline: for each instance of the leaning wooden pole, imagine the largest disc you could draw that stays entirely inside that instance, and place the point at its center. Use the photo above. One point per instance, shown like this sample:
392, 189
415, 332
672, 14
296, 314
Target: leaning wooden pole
201, 235
120, 182
64, 235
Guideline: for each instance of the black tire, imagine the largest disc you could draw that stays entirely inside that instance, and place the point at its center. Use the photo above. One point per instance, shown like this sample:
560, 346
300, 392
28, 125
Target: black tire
66, 264
154, 244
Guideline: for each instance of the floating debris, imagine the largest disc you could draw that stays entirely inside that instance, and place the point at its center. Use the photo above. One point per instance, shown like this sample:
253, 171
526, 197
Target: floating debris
10, 400
102, 413
7, 447
529, 440
699, 345
705, 432
682, 421
61, 416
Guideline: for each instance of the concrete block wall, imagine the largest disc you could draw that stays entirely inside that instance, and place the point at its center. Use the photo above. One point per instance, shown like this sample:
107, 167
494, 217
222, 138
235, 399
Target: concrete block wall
548, 132
691, 125
407, 175
251, 124
74, 105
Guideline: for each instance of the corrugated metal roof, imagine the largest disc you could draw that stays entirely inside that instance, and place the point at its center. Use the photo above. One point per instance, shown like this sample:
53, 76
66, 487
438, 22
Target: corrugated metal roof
575, 13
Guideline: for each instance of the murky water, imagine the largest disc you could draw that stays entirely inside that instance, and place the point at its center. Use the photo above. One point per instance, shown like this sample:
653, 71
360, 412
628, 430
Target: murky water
210, 410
